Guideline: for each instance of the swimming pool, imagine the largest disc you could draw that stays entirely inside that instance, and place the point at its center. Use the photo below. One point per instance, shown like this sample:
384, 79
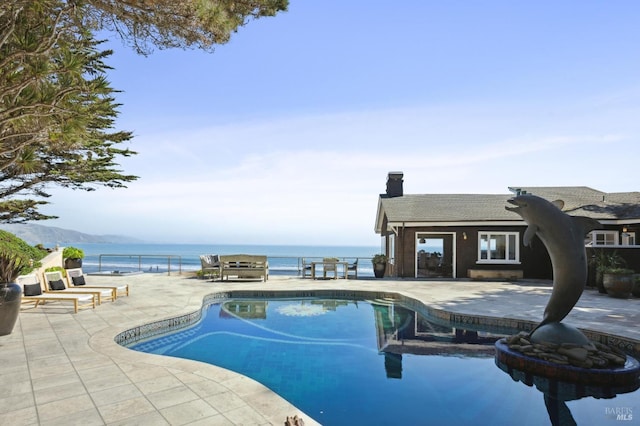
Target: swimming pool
374, 362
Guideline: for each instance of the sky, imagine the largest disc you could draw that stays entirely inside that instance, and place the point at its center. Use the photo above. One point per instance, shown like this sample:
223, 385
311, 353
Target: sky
286, 134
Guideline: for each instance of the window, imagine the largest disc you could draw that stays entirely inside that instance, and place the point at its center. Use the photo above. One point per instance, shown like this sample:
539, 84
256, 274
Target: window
604, 238
628, 238
498, 247
392, 249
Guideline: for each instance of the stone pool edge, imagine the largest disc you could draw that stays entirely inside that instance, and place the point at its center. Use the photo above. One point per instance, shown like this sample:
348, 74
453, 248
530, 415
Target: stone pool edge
167, 325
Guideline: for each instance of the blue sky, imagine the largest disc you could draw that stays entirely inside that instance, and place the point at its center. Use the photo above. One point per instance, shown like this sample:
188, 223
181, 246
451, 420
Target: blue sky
286, 134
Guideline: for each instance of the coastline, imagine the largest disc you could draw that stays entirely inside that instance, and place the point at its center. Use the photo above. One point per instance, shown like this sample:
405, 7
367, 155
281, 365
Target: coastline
158, 258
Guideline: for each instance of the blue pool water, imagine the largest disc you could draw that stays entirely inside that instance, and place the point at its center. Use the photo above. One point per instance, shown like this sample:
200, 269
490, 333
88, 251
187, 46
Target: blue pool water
357, 362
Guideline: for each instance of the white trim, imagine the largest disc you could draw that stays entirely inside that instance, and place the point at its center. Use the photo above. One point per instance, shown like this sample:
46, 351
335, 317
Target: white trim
454, 249
615, 236
506, 260
628, 238
458, 224
391, 225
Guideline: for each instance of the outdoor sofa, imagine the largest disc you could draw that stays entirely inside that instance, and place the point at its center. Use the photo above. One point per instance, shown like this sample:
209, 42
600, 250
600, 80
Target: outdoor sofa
244, 266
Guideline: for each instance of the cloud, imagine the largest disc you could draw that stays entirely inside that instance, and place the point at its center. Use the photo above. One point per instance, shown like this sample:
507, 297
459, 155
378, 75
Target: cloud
315, 178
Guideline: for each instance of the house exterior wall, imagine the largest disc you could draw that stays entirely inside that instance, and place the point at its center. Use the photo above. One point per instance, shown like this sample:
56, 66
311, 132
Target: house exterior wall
534, 261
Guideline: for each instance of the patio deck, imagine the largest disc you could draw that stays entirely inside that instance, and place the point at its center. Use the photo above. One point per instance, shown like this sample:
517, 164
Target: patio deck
61, 368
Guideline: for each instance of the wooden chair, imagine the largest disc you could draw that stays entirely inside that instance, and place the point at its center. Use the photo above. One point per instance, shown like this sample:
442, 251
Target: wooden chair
306, 268
352, 269
330, 264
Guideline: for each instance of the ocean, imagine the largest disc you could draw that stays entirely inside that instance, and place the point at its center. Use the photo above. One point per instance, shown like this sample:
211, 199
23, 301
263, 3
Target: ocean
160, 258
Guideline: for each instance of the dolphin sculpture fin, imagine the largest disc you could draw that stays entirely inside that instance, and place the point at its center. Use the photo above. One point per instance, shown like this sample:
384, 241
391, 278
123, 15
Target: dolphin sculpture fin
586, 223
529, 234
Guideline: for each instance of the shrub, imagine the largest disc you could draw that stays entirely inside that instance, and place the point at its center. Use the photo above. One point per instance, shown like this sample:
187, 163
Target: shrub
379, 258
72, 253
16, 257
619, 271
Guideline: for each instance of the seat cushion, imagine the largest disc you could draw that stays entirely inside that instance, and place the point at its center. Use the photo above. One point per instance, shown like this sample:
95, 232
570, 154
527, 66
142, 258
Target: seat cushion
78, 280
32, 290
56, 285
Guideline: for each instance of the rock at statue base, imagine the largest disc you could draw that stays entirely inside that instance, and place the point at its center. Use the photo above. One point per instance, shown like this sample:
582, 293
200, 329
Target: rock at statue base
559, 333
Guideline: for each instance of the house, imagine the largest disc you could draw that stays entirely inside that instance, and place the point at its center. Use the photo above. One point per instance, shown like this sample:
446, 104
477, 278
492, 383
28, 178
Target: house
474, 236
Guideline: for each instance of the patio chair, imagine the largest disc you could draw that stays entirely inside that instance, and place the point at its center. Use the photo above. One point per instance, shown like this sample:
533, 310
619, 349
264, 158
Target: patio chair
330, 264
210, 263
306, 268
55, 283
76, 279
32, 294
352, 269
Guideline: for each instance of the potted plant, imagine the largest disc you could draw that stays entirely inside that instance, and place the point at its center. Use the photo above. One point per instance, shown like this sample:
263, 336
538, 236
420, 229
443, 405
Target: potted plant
72, 257
602, 261
618, 282
379, 265
16, 258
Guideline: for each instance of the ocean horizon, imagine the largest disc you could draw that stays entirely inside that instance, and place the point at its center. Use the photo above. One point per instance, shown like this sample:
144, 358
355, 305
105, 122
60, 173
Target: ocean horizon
160, 258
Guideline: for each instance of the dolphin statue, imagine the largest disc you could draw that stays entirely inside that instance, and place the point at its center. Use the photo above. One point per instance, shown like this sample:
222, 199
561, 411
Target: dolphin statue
563, 236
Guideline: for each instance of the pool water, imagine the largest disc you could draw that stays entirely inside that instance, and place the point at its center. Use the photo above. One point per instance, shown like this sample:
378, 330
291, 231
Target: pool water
370, 362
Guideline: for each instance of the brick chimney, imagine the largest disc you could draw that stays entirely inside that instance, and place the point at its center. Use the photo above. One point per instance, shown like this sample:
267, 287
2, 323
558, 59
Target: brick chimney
394, 184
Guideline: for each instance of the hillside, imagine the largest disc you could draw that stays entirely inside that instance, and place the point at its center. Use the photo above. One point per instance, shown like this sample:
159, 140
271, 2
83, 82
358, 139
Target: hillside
50, 235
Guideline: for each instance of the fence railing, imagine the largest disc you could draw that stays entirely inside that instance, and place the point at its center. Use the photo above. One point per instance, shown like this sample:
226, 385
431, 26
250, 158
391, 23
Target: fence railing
169, 257
278, 265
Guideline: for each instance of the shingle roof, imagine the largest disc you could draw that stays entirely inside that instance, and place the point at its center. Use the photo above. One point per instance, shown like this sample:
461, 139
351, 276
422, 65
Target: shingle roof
447, 208
578, 201
584, 201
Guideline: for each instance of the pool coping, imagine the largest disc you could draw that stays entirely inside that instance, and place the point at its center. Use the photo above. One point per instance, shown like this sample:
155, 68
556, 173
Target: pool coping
97, 381
146, 331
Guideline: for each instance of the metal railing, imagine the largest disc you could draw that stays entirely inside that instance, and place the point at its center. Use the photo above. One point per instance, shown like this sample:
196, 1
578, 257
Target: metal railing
140, 257
278, 265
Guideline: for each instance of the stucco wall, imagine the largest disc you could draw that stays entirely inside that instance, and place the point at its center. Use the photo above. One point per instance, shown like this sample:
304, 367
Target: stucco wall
52, 259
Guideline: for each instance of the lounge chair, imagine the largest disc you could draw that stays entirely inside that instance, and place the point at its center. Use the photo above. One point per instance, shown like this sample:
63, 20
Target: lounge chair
76, 279
210, 264
55, 283
32, 294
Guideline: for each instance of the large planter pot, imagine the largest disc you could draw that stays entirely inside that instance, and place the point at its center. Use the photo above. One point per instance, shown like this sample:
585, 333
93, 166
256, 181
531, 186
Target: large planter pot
10, 298
378, 269
72, 263
600, 283
636, 286
618, 285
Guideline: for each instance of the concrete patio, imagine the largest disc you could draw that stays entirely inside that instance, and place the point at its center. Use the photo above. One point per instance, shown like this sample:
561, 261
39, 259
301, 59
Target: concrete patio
61, 368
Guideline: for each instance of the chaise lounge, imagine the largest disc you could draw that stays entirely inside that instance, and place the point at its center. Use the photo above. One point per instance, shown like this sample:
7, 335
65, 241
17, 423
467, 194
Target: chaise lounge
32, 294
55, 283
76, 280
